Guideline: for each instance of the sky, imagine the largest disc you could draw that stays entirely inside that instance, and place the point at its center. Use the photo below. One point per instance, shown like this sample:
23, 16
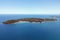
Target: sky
29, 6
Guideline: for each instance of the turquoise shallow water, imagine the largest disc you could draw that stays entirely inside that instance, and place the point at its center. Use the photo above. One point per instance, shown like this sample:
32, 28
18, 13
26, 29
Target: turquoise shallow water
29, 31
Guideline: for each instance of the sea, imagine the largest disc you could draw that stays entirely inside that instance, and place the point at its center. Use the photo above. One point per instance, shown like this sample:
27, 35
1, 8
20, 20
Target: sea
29, 31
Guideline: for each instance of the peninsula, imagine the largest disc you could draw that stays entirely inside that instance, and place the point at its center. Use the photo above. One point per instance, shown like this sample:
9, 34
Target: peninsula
29, 20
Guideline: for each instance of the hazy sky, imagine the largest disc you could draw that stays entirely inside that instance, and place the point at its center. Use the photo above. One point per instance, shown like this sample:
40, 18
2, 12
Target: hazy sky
30, 6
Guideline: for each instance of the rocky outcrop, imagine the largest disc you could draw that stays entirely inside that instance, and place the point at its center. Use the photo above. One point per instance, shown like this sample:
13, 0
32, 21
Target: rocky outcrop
10, 21
28, 20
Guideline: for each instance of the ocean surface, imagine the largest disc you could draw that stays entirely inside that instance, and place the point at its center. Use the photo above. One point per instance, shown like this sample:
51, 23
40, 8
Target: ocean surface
29, 31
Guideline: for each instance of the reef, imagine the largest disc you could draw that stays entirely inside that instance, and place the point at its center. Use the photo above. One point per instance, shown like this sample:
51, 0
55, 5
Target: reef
29, 20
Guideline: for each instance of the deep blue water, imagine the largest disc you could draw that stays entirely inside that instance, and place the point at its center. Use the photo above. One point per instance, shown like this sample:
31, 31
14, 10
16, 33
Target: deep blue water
29, 31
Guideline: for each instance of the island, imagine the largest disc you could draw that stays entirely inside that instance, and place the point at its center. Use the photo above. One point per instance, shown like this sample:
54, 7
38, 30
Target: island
29, 20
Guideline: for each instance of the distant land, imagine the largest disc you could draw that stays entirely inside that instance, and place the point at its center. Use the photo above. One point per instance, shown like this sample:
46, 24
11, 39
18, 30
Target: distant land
55, 16
29, 20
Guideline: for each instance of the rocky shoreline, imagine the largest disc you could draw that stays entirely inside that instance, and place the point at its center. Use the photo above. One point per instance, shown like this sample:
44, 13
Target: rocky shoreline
29, 20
